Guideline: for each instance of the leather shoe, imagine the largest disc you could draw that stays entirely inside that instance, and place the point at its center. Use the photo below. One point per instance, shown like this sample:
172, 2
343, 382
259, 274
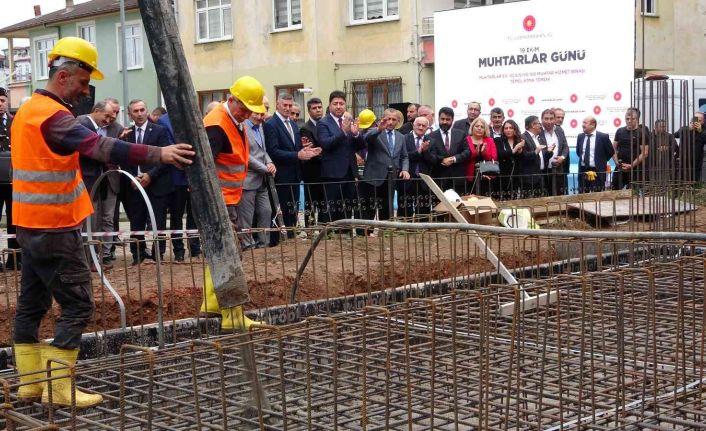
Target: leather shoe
179, 257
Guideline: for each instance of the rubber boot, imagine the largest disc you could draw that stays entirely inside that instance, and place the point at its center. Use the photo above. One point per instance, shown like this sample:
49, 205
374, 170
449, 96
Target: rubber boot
209, 305
234, 318
28, 359
61, 387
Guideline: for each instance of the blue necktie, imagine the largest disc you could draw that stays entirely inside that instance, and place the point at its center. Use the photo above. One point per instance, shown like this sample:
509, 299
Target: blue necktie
390, 141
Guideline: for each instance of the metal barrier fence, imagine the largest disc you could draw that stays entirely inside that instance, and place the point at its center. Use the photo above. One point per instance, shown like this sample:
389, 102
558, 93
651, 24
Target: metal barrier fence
617, 343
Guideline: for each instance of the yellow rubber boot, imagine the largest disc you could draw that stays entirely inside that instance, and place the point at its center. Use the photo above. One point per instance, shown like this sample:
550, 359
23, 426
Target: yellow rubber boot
61, 387
234, 318
28, 359
209, 305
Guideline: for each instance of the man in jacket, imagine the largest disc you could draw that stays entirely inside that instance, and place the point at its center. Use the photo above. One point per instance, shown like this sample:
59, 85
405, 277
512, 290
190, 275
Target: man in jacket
46, 143
386, 150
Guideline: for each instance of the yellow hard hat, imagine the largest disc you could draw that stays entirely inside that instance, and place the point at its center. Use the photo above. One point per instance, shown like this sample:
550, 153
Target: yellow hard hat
75, 48
366, 118
250, 92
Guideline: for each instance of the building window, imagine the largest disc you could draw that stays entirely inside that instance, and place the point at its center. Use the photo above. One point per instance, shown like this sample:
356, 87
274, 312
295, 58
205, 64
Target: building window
287, 14
213, 20
41, 52
292, 89
133, 46
649, 7
86, 31
364, 11
376, 94
206, 97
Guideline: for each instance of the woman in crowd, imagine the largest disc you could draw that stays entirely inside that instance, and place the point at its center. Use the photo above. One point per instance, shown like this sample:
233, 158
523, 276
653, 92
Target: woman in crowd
509, 147
482, 151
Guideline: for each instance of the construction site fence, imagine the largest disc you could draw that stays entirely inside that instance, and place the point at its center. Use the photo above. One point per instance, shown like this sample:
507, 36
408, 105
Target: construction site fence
612, 339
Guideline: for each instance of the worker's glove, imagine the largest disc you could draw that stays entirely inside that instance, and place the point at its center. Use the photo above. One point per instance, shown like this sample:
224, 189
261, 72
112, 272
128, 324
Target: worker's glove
591, 176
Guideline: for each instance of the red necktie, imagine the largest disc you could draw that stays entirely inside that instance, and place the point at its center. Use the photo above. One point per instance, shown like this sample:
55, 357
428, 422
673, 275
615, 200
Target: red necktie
340, 123
446, 142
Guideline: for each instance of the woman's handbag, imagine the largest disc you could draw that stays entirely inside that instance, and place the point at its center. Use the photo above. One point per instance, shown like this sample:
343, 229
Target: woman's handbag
488, 167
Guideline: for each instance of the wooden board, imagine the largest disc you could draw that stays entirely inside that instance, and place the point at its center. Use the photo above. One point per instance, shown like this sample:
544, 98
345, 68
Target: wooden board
635, 207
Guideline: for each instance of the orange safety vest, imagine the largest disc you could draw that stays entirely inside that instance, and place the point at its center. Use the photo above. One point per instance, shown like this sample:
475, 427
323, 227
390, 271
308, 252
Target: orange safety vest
231, 168
47, 188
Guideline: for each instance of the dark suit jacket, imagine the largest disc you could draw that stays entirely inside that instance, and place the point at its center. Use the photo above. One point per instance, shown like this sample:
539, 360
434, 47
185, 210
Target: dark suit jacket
338, 149
379, 157
417, 160
161, 182
5, 170
531, 165
603, 150
92, 169
562, 148
463, 125
437, 152
282, 150
311, 169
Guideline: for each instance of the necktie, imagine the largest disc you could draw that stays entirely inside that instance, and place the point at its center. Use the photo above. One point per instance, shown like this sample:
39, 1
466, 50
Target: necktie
289, 129
390, 141
447, 144
587, 152
419, 145
139, 135
340, 123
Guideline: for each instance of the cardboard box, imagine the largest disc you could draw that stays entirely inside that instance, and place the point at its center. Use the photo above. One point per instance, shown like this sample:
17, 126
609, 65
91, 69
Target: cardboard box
475, 209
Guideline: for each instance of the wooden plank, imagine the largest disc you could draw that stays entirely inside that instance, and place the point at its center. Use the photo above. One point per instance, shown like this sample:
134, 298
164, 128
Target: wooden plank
217, 238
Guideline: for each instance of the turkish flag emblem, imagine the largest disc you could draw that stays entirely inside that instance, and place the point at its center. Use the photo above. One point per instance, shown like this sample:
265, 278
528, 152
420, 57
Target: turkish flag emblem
529, 23
597, 110
491, 102
574, 123
617, 122
530, 100
510, 113
617, 96
574, 98
454, 104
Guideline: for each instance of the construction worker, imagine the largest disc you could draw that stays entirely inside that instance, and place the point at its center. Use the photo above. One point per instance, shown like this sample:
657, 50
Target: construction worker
229, 145
51, 203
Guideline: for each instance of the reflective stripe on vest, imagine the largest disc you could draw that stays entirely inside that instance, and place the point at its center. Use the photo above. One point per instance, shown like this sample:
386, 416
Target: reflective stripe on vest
49, 198
47, 189
231, 167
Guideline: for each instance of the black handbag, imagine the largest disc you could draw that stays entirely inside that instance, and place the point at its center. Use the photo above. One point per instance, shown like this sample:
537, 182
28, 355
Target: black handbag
488, 167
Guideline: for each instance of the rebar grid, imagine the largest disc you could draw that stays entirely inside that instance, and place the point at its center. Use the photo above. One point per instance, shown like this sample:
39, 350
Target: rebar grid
618, 349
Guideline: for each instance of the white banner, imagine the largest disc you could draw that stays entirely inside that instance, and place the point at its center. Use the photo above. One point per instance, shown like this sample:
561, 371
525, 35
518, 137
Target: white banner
528, 56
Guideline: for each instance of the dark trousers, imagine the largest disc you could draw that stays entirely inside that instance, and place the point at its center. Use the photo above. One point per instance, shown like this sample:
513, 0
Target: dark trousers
622, 179
288, 197
54, 265
586, 186
413, 197
313, 200
341, 199
123, 198
376, 199
180, 201
139, 216
6, 201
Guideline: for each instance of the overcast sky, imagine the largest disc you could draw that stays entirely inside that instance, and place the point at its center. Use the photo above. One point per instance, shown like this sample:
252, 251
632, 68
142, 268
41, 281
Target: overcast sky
15, 11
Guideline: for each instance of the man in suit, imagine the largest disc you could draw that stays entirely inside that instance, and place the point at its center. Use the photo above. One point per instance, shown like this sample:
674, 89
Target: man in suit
179, 201
385, 148
6, 181
339, 139
464, 124
594, 150
448, 152
254, 209
412, 112
536, 155
155, 179
556, 178
101, 120
413, 195
311, 169
284, 145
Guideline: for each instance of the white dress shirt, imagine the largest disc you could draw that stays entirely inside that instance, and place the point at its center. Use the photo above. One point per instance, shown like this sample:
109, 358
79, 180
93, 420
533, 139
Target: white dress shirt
592, 154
